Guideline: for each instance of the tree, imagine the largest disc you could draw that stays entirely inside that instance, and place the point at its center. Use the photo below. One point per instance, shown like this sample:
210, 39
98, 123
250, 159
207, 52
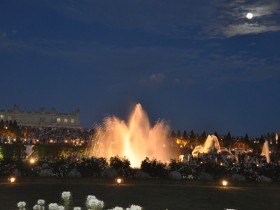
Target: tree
173, 134
216, 134
119, 163
179, 135
192, 135
2, 124
246, 138
203, 135
154, 167
185, 135
228, 140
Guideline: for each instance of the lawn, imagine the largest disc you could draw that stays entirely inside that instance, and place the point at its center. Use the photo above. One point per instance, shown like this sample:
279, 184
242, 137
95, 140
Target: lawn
151, 194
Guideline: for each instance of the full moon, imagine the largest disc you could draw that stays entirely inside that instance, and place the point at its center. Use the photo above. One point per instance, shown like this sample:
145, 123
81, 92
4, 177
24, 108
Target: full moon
249, 15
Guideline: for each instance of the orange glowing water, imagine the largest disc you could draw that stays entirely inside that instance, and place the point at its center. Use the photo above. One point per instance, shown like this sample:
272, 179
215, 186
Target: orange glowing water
211, 141
265, 151
134, 140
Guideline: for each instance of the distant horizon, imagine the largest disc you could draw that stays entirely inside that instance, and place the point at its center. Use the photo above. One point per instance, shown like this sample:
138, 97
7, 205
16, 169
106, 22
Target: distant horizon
152, 123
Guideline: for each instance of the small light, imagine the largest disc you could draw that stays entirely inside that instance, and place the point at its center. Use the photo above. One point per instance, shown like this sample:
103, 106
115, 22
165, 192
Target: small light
119, 180
32, 160
225, 183
12, 179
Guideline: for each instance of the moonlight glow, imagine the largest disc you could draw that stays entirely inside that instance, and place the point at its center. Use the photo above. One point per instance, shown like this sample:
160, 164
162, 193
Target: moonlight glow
249, 15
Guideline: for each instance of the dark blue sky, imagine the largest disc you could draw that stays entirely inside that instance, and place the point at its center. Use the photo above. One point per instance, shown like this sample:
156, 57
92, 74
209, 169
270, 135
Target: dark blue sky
198, 64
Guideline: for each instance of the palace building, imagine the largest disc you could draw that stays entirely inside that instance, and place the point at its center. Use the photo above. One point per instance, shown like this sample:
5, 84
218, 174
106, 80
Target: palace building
41, 118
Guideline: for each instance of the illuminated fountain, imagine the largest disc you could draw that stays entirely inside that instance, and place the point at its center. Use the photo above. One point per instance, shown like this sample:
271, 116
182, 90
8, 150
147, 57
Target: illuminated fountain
265, 151
134, 140
210, 144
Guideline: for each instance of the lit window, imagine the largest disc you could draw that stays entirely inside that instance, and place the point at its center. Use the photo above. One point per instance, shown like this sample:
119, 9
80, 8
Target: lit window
72, 121
1, 116
58, 120
65, 121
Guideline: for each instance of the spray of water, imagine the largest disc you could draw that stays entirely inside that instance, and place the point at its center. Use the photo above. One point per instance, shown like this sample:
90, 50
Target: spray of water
210, 142
134, 140
265, 151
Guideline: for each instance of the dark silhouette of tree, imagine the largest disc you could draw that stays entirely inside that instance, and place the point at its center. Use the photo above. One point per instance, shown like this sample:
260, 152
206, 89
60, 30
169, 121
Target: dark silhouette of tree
227, 140
192, 135
201, 138
2, 124
203, 135
216, 134
246, 138
262, 140
173, 134
185, 135
179, 135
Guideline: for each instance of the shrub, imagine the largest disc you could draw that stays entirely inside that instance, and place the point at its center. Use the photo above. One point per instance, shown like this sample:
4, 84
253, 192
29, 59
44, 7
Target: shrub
154, 168
91, 166
205, 177
175, 175
175, 165
121, 165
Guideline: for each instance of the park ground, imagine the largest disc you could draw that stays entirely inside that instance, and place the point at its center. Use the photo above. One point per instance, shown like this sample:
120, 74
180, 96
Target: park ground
157, 194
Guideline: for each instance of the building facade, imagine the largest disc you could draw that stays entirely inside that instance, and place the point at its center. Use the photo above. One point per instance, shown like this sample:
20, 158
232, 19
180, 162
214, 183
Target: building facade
41, 118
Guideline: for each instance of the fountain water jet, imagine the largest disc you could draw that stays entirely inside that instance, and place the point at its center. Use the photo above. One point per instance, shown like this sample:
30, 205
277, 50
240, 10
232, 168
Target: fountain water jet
211, 141
134, 140
265, 151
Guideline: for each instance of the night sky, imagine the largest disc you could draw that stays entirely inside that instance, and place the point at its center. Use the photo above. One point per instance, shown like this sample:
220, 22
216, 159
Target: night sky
198, 64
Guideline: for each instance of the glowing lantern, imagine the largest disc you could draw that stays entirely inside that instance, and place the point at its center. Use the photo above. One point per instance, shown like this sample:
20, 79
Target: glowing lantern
32, 160
225, 183
12, 179
119, 180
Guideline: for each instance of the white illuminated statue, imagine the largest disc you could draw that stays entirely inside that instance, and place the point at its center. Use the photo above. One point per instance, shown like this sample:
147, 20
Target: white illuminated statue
28, 151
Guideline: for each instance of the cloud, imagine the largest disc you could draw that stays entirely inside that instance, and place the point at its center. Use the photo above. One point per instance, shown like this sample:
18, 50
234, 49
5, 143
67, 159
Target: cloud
243, 29
5, 43
180, 18
233, 21
155, 79
163, 65
157, 16
9, 41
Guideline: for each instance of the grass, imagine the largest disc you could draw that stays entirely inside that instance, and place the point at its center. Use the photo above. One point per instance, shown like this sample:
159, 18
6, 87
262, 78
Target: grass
150, 194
